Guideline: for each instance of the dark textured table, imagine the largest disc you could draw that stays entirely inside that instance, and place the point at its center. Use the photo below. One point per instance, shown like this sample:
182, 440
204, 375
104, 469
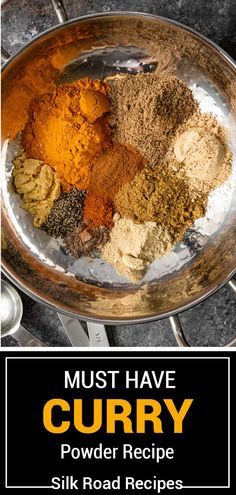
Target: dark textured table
211, 322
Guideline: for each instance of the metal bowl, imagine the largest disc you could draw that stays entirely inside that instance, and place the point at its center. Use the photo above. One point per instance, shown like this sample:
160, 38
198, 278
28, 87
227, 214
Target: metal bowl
99, 46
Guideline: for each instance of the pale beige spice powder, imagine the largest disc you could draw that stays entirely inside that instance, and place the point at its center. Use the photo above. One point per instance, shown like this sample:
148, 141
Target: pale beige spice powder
201, 150
132, 246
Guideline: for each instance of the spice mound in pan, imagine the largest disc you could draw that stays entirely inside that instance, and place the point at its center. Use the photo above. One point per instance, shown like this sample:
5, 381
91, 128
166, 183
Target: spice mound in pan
85, 240
65, 136
161, 196
38, 185
132, 246
66, 214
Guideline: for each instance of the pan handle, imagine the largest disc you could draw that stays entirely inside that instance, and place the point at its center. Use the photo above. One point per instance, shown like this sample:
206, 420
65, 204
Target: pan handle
26, 338
60, 10
179, 333
97, 335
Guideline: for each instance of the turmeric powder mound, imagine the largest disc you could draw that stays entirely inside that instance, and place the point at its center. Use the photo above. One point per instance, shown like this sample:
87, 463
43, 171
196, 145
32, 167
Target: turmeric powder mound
93, 104
60, 134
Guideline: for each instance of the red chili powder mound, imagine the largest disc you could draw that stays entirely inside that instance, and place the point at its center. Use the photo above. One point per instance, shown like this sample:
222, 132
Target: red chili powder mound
98, 210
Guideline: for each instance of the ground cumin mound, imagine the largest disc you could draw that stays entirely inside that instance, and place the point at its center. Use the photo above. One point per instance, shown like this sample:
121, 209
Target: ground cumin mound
161, 196
147, 110
65, 136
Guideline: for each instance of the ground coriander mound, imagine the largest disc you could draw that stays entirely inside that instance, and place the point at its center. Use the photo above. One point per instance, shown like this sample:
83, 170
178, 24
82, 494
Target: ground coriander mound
161, 196
66, 214
147, 110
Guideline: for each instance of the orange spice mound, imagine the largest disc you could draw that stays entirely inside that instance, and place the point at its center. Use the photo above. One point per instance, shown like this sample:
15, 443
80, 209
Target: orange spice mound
98, 210
61, 135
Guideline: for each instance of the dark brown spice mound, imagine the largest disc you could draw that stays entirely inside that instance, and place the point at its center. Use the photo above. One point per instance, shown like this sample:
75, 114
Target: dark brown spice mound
66, 214
85, 240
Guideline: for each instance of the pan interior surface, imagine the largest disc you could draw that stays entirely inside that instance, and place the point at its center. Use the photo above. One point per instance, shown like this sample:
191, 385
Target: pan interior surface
99, 47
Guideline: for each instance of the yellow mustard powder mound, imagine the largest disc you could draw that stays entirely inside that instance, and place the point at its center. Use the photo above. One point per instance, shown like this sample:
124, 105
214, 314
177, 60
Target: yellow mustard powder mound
38, 185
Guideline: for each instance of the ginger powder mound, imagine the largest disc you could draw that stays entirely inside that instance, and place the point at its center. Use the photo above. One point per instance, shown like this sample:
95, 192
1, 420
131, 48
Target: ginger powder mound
67, 134
132, 246
38, 185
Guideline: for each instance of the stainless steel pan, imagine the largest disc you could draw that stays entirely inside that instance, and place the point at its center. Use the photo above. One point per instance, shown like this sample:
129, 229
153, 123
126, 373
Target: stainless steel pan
98, 46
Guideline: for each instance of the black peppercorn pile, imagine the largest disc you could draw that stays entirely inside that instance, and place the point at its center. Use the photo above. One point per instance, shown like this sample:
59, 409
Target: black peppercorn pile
66, 214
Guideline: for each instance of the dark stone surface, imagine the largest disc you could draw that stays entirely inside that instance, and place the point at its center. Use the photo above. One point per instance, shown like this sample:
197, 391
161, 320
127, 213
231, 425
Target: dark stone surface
210, 323
24, 19
213, 321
